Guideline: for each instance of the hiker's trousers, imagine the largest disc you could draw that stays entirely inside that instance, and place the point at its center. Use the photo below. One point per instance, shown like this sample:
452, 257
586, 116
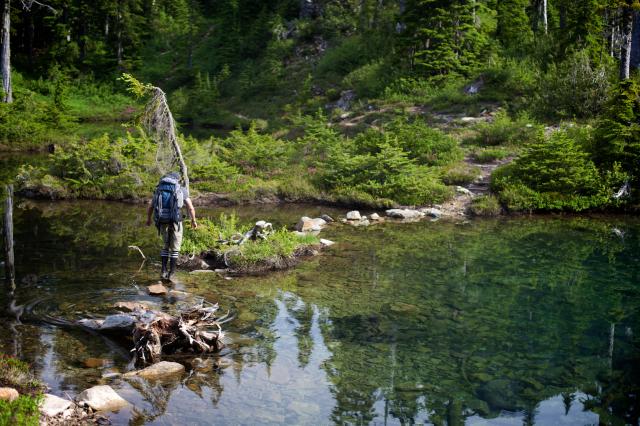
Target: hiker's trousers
172, 238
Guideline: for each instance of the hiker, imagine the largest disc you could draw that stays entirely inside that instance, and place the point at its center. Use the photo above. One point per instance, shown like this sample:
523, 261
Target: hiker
168, 199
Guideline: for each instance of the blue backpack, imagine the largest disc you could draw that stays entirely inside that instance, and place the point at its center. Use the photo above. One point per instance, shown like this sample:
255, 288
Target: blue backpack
168, 199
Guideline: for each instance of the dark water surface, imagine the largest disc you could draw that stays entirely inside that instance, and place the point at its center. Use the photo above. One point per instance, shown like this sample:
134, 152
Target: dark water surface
511, 321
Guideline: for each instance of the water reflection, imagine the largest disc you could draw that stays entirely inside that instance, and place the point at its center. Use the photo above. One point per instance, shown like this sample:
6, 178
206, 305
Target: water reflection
520, 321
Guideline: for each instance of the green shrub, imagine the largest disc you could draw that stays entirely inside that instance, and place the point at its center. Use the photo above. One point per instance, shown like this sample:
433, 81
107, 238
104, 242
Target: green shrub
486, 205
352, 53
489, 155
506, 131
553, 175
574, 88
425, 144
617, 137
460, 174
25, 409
368, 80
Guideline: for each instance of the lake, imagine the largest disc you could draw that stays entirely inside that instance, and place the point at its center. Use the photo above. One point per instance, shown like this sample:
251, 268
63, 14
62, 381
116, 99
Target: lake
527, 320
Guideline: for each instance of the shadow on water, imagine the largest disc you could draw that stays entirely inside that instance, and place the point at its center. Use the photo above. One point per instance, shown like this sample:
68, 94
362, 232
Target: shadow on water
518, 321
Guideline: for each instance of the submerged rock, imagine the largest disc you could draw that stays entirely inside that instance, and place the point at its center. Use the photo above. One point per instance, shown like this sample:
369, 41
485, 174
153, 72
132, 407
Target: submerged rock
53, 405
158, 371
118, 322
102, 398
95, 362
8, 394
157, 290
93, 324
131, 306
433, 212
404, 214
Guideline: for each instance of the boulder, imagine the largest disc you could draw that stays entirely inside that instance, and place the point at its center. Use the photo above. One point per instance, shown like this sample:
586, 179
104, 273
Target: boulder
306, 224
375, 217
102, 398
8, 394
158, 371
404, 214
157, 290
354, 215
118, 322
53, 405
430, 211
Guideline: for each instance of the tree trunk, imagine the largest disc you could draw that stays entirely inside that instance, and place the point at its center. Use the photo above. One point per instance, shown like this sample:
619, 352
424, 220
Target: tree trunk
5, 52
545, 20
9, 263
635, 41
625, 54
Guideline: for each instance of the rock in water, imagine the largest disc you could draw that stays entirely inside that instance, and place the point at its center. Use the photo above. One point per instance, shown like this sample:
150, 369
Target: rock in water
326, 243
93, 324
102, 398
8, 394
430, 211
118, 322
159, 370
327, 218
131, 306
306, 224
95, 362
157, 290
404, 214
53, 405
354, 215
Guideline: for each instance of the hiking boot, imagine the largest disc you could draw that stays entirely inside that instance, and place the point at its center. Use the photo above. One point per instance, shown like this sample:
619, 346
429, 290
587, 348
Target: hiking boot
164, 274
172, 268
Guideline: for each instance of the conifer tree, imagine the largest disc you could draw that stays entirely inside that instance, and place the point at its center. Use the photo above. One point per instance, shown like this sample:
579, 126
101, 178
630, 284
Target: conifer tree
514, 26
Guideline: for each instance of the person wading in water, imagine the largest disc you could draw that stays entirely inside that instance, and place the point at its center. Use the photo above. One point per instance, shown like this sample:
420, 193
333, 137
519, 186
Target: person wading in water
166, 204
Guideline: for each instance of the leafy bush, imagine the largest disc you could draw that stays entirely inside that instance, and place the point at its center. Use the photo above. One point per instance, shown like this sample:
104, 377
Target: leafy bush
486, 205
256, 154
489, 155
617, 138
574, 88
368, 80
460, 174
25, 409
506, 131
214, 237
422, 143
381, 170
553, 175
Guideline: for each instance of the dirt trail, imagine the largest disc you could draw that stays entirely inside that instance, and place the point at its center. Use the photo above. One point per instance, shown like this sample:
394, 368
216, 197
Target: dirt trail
459, 204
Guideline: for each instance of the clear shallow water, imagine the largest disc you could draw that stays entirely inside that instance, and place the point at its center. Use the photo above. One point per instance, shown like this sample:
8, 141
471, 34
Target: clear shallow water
513, 321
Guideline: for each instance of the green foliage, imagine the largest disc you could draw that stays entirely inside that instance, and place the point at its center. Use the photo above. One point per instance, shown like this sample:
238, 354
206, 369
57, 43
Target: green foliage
489, 155
553, 175
99, 168
505, 131
575, 88
215, 237
486, 205
375, 164
460, 174
24, 410
617, 137
514, 28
